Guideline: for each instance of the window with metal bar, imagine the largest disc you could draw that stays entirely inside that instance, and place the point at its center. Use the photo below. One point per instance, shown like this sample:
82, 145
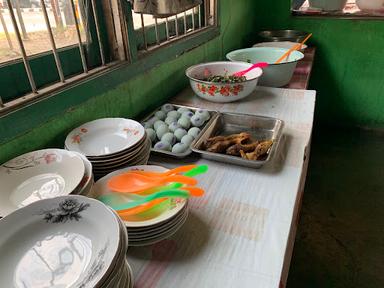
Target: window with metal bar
46, 45
153, 31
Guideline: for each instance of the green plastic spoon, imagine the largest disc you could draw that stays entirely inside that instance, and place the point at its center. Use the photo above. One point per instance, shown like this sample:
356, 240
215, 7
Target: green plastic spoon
108, 199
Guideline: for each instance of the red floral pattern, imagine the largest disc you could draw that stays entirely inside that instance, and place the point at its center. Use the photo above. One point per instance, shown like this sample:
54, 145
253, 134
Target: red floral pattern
77, 137
50, 157
225, 90
133, 131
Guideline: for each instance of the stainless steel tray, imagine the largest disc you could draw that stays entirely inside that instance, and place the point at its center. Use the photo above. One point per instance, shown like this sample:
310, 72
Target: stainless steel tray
213, 115
261, 128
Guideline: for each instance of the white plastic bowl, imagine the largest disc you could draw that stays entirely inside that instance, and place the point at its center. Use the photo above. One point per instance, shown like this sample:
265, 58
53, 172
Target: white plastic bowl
222, 92
282, 44
275, 75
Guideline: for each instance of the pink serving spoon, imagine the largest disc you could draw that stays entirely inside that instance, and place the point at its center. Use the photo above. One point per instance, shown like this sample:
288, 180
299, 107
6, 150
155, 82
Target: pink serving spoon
257, 65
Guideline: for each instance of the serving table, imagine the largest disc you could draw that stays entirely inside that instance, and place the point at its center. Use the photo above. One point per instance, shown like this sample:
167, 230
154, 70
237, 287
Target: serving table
303, 70
241, 233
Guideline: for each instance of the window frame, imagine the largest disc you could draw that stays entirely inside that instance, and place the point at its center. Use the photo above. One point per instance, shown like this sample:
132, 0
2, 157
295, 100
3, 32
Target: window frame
54, 102
14, 69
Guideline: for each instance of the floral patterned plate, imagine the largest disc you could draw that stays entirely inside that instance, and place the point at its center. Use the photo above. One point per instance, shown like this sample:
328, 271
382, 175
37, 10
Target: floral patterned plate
38, 175
174, 209
69, 241
105, 136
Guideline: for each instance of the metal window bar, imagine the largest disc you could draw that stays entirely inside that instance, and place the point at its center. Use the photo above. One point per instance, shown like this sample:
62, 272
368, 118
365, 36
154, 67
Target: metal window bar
5, 28
143, 31
193, 19
157, 31
185, 23
176, 26
98, 32
81, 48
167, 28
22, 49
206, 16
52, 40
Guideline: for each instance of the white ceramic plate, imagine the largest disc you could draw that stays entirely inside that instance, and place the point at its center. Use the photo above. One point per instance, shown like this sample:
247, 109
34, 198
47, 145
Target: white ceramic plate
85, 182
67, 241
100, 188
105, 136
158, 232
38, 175
159, 237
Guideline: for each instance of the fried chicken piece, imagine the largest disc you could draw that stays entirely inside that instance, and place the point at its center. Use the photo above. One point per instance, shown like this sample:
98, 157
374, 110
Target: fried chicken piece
234, 150
209, 142
261, 149
221, 146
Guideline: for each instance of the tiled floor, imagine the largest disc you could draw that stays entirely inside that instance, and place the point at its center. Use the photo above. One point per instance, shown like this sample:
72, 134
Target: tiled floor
340, 241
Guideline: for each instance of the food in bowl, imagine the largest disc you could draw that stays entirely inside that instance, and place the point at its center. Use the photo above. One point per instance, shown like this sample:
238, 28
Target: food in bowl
275, 75
241, 145
221, 90
225, 79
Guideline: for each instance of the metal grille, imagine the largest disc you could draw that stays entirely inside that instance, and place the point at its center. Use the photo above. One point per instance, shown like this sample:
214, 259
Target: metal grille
162, 31
16, 24
176, 26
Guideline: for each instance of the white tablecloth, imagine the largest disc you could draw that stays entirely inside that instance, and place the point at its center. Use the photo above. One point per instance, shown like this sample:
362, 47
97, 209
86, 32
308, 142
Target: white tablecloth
241, 233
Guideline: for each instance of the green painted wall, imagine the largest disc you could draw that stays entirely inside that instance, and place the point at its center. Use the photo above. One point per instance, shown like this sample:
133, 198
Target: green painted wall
349, 67
115, 96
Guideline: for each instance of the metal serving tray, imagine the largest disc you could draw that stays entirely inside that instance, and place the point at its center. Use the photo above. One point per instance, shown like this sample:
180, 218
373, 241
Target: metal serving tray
213, 115
261, 128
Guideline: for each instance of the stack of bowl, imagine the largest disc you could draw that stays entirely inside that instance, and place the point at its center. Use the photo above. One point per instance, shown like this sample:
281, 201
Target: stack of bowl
69, 241
155, 224
110, 144
40, 175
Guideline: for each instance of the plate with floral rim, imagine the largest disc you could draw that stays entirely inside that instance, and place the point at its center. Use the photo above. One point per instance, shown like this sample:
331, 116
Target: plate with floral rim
38, 175
68, 241
105, 136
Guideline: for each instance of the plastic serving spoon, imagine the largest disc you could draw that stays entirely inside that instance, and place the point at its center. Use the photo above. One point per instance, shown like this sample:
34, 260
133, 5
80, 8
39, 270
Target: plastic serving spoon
131, 183
254, 66
174, 171
201, 169
159, 202
143, 199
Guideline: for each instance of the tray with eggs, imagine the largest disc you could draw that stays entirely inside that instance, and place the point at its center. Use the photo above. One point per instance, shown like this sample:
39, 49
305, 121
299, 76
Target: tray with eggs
173, 128
240, 139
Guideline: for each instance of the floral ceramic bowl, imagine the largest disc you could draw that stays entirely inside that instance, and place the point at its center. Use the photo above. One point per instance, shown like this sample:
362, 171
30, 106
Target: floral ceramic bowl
222, 92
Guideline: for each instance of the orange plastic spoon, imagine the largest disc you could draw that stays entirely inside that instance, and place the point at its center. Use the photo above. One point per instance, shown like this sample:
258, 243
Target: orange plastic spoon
141, 208
177, 170
131, 183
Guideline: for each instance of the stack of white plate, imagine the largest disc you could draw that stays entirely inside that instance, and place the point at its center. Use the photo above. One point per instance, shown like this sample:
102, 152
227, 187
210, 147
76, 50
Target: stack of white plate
69, 241
40, 175
153, 225
110, 144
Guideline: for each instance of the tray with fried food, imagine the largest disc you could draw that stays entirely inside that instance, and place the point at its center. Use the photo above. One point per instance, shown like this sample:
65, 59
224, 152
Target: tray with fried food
241, 139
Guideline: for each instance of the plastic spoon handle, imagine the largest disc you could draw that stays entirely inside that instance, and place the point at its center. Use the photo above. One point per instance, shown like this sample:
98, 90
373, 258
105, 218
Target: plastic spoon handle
293, 48
131, 183
177, 170
162, 194
142, 208
201, 169
254, 66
